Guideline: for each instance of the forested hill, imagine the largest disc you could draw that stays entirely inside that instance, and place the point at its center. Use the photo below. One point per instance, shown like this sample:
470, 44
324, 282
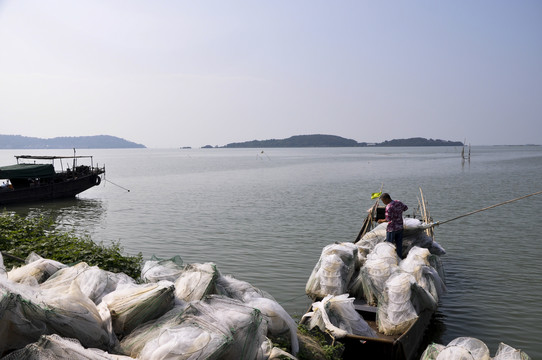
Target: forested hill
337, 141
78, 142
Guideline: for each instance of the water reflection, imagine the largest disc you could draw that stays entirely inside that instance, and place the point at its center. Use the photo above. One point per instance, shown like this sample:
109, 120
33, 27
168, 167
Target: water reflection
73, 214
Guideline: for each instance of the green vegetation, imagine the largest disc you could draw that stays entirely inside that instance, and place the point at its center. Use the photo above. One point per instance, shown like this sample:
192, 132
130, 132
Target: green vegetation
21, 236
314, 345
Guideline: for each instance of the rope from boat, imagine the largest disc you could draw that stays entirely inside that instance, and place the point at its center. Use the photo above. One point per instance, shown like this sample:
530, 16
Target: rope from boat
111, 182
486, 208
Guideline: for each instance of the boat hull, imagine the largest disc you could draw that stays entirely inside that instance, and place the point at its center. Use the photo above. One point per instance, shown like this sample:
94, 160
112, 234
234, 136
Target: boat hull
403, 347
55, 190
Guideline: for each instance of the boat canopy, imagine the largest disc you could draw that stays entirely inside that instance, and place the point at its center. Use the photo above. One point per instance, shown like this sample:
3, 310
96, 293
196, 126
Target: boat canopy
25, 171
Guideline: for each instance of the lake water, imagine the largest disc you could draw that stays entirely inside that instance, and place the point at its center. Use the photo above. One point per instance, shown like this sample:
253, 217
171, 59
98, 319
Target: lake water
264, 217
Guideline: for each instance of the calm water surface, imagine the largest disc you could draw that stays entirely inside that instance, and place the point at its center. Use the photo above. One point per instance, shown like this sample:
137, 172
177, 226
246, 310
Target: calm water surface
265, 217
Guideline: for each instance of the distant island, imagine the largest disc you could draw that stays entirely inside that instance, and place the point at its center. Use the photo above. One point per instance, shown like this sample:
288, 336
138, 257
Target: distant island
336, 141
78, 142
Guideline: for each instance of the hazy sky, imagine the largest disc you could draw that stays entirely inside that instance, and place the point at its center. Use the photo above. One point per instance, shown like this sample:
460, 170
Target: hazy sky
170, 73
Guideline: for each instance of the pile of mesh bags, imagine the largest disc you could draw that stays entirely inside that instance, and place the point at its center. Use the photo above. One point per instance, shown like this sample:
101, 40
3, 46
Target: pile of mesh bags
371, 270
50, 310
468, 348
333, 272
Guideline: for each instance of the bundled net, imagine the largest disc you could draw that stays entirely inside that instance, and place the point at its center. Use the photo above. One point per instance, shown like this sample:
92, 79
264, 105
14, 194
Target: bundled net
395, 310
55, 347
337, 315
333, 272
35, 271
157, 269
196, 281
132, 305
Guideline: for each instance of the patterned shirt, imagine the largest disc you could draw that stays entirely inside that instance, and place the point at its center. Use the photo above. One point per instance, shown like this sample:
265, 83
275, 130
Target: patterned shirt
394, 215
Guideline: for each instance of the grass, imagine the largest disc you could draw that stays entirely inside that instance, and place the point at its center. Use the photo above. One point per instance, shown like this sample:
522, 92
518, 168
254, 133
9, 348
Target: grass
20, 236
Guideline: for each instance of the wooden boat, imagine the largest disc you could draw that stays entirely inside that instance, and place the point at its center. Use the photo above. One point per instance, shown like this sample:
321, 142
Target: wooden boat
28, 181
405, 346
398, 347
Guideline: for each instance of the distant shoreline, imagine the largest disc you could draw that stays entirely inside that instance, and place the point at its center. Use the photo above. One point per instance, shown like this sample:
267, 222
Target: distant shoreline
319, 140
77, 142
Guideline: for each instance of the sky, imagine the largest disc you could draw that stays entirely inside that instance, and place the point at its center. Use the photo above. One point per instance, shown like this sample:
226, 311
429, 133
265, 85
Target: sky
173, 73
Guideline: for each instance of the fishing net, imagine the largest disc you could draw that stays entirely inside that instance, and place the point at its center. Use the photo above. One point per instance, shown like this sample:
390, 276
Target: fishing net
51, 347
368, 241
27, 313
133, 343
466, 348
157, 269
506, 352
333, 272
380, 264
279, 322
132, 305
268, 351
93, 281
337, 315
3, 273
36, 270
231, 287
417, 263
395, 310
432, 351
213, 328
196, 281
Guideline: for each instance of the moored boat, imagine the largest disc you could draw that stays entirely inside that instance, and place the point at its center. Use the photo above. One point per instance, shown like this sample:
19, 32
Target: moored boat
31, 181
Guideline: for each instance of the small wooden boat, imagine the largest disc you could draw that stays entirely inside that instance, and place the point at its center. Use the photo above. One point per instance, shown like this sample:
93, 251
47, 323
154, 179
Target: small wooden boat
398, 347
404, 346
28, 181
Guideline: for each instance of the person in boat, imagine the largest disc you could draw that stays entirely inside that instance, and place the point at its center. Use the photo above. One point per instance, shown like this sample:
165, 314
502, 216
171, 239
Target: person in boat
394, 218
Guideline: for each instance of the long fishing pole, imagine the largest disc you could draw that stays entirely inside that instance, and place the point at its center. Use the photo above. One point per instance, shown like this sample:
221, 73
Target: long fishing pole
486, 208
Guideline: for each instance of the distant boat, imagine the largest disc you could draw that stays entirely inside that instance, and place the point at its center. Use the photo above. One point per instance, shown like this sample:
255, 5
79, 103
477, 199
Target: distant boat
28, 181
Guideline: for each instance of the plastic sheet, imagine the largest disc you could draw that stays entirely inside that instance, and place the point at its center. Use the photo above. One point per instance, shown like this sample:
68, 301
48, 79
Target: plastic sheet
36, 270
196, 281
132, 305
50, 347
157, 269
337, 315
333, 272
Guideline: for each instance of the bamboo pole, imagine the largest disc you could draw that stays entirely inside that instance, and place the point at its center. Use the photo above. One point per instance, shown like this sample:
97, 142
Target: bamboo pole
486, 208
